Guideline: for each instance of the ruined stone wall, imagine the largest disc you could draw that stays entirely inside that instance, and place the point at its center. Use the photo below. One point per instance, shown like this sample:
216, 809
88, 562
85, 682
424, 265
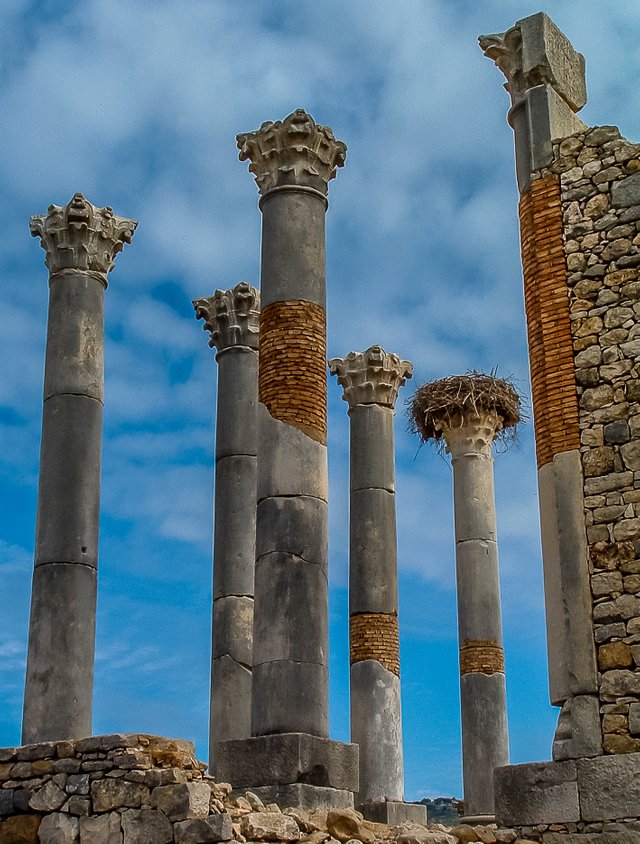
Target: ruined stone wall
592, 193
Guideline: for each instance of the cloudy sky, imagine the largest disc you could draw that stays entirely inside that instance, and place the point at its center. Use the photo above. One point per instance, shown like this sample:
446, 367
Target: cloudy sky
137, 104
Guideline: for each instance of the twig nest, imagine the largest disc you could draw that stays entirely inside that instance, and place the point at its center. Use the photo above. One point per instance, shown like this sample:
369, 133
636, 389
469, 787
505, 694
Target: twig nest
446, 403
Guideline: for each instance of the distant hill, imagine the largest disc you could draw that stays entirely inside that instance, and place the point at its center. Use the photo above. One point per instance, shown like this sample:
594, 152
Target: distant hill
444, 810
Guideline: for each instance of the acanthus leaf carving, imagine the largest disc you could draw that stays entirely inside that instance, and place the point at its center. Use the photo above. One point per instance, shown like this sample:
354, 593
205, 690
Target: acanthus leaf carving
232, 317
371, 377
293, 151
80, 236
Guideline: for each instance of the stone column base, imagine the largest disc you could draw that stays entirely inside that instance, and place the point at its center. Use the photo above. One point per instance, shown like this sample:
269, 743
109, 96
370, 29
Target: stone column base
577, 794
394, 812
293, 769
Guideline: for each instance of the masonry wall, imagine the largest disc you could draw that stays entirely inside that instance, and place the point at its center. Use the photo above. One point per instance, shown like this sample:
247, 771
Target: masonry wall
580, 225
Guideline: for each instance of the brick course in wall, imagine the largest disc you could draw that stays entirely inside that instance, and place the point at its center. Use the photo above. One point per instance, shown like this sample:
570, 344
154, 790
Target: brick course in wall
375, 636
481, 657
292, 381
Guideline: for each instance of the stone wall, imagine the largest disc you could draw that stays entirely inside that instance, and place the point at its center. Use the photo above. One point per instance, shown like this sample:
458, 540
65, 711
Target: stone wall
597, 174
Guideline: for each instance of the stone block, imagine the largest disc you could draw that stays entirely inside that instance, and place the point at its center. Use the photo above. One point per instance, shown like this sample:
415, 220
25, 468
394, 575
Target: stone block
286, 759
105, 829
269, 826
108, 794
394, 812
59, 828
372, 461
211, 829
609, 787
619, 683
182, 801
6, 801
626, 193
549, 118
618, 837
634, 719
48, 798
297, 525
233, 628
346, 825
234, 535
537, 793
292, 697
20, 829
303, 796
146, 826
373, 554
236, 417
296, 628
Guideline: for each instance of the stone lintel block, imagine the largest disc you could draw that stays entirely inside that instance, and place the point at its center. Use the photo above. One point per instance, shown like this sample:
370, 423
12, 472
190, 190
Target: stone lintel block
537, 793
372, 456
297, 525
236, 417
75, 337
291, 463
609, 786
288, 759
289, 696
291, 621
302, 796
394, 812
233, 628
549, 57
373, 552
69, 487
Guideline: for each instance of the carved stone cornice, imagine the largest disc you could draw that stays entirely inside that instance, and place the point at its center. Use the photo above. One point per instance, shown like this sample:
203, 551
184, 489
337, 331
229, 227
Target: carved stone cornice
293, 151
79, 236
232, 317
471, 433
371, 377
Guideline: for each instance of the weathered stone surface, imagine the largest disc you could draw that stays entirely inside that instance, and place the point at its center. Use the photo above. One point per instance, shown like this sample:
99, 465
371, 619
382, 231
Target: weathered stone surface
268, 826
49, 798
345, 825
609, 786
302, 796
424, 836
105, 829
634, 719
211, 829
626, 193
20, 829
146, 826
6, 801
614, 655
108, 794
619, 683
182, 801
59, 829
542, 792
394, 812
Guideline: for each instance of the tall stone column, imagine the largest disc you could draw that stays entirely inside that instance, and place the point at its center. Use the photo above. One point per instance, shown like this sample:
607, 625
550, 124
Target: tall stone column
468, 412
232, 317
81, 242
371, 381
293, 162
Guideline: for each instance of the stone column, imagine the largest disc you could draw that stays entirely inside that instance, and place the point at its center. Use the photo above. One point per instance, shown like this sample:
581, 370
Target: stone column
468, 412
371, 381
81, 242
232, 317
293, 161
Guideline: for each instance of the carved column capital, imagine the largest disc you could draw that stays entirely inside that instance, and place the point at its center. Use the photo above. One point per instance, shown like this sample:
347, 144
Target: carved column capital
295, 151
474, 433
232, 317
79, 236
371, 377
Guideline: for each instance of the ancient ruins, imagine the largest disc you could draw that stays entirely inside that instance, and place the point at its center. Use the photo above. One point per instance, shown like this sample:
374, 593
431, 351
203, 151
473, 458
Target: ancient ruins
274, 772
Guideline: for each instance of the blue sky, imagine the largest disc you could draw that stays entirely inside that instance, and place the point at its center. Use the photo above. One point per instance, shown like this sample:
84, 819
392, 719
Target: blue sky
137, 105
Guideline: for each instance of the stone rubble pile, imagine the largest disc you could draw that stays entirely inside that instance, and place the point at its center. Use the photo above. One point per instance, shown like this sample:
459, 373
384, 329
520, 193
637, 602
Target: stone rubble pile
139, 789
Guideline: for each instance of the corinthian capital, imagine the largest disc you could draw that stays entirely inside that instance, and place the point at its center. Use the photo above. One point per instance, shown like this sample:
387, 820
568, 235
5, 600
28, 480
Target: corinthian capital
79, 236
371, 377
293, 151
232, 317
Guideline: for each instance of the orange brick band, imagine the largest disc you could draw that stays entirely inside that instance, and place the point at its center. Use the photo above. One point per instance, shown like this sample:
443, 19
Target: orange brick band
292, 380
374, 635
553, 385
481, 657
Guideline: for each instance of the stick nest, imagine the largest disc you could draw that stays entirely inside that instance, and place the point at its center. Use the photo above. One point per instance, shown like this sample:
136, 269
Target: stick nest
448, 401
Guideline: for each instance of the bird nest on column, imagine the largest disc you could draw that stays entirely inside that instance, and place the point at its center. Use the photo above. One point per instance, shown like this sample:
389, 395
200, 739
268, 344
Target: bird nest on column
447, 402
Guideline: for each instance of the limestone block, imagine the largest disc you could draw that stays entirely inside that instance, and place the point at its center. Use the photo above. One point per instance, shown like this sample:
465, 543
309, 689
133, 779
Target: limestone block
541, 792
580, 717
146, 826
289, 758
211, 829
549, 118
373, 553
59, 829
105, 829
49, 798
297, 525
303, 796
609, 786
286, 584
69, 487
182, 801
234, 533
394, 812
236, 417
345, 825
269, 826
108, 794
372, 461
291, 463
233, 628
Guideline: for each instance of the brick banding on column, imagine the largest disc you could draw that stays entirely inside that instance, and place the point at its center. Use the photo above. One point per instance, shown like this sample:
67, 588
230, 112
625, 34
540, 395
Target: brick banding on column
375, 636
555, 402
293, 369
481, 657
